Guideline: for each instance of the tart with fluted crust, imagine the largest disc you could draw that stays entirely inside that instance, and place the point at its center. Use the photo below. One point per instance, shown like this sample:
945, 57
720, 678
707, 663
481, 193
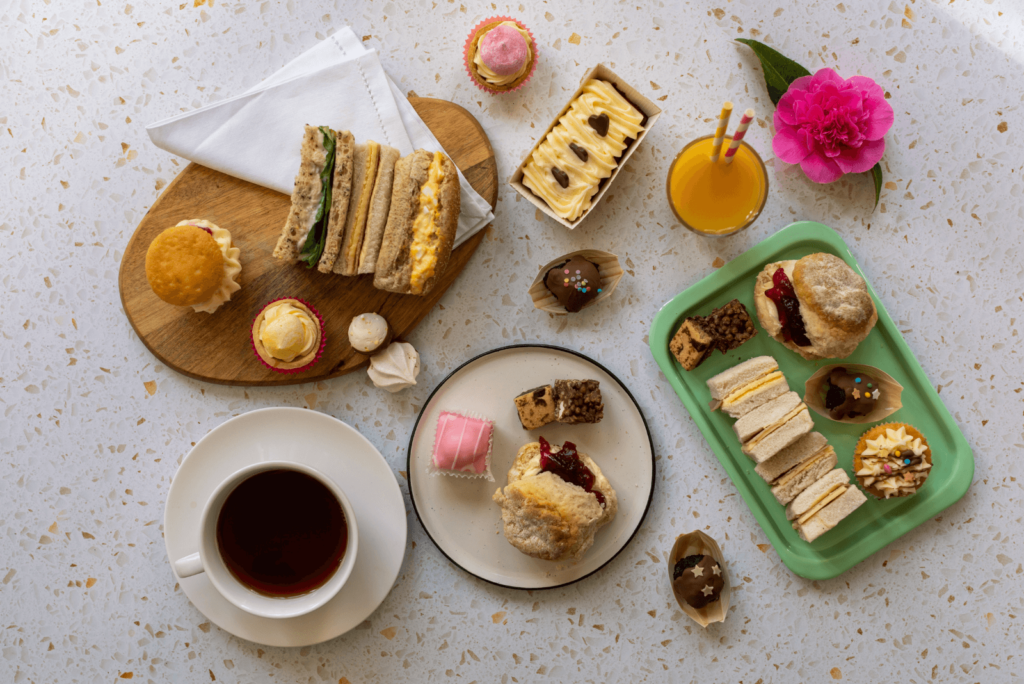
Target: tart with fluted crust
892, 460
288, 335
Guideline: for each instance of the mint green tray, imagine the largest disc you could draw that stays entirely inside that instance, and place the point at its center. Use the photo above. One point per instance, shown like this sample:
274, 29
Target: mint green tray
874, 524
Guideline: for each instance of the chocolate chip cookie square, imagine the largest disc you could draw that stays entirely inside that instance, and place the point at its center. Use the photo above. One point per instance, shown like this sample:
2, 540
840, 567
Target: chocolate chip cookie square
692, 343
536, 407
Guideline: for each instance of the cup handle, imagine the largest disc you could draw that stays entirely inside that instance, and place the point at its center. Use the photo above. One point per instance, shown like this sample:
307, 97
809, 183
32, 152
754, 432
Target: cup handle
188, 566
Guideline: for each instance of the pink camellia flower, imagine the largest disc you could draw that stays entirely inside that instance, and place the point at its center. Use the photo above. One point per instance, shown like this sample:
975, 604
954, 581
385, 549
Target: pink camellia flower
831, 126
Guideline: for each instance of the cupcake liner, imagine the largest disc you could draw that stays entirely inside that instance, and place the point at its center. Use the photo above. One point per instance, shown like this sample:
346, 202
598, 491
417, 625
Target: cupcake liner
319, 351
693, 543
889, 403
607, 265
877, 431
468, 62
486, 474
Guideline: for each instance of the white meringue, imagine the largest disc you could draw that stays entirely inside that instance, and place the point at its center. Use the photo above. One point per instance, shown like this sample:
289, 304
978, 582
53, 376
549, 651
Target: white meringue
367, 332
395, 368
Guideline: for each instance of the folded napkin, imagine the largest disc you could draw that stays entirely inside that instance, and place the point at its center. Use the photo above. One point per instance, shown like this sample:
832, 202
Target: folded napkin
256, 136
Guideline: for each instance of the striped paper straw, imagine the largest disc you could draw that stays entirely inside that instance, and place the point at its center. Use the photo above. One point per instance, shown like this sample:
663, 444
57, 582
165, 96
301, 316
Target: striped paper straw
723, 123
737, 137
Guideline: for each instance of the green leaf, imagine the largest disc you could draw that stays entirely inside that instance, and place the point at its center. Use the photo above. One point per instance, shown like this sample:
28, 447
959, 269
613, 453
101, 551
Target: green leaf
779, 71
316, 239
876, 174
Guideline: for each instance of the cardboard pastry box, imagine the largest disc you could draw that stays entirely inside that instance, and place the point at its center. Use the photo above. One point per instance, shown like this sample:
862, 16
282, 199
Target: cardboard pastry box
646, 106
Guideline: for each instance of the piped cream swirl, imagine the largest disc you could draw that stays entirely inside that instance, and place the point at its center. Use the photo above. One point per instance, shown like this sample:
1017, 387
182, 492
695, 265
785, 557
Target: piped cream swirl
598, 97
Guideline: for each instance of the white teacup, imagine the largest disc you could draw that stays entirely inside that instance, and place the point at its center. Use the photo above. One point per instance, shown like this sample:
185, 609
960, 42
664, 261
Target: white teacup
208, 559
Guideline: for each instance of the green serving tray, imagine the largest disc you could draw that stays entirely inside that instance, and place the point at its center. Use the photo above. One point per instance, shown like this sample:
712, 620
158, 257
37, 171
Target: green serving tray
874, 524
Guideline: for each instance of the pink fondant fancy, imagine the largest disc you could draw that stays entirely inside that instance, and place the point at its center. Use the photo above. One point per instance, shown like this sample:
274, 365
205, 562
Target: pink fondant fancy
462, 443
503, 50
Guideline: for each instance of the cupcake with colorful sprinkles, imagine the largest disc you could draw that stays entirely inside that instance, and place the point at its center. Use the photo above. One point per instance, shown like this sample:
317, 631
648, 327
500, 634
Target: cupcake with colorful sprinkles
892, 460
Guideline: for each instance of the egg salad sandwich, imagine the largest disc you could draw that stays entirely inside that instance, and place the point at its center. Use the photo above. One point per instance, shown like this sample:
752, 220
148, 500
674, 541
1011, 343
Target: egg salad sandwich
420, 230
824, 505
745, 387
798, 466
773, 426
363, 226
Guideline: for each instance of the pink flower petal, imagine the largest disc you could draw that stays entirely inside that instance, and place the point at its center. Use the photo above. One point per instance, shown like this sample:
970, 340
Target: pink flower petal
789, 145
867, 86
880, 119
860, 159
823, 76
814, 113
851, 99
800, 84
820, 169
789, 108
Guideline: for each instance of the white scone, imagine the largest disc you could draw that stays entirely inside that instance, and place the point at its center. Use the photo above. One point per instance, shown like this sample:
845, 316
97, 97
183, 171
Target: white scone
835, 305
548, 518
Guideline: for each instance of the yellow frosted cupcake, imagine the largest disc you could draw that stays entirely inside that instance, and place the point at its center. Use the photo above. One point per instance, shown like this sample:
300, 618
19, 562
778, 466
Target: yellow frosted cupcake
892, 460
288, 335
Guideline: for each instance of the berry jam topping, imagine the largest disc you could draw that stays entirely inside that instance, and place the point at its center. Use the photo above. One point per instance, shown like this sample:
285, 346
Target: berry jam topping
202, 228
684, 563
788, 307
567, 465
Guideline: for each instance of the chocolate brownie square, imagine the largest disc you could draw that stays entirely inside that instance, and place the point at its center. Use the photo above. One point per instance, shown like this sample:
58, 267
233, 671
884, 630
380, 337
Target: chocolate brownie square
578, 401
731, 325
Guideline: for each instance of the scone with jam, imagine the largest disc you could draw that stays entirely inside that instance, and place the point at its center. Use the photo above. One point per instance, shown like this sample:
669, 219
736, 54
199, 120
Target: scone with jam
556, 500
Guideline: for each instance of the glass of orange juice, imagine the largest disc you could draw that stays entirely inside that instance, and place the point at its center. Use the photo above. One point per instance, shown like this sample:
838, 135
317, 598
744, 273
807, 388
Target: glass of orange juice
716, 198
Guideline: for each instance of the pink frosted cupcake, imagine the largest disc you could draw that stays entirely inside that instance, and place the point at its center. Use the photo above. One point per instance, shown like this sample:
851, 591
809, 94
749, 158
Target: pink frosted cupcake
500, 55
288, 335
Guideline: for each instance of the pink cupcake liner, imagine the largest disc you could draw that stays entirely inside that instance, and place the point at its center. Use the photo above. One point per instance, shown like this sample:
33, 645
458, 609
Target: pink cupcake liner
469, 63
319, 352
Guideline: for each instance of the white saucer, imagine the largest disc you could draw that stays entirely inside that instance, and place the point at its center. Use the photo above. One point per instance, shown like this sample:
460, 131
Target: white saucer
338, 451
458, 513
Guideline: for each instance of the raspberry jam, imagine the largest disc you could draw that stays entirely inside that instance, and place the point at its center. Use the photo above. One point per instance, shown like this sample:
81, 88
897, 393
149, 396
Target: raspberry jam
567, 465
788, 307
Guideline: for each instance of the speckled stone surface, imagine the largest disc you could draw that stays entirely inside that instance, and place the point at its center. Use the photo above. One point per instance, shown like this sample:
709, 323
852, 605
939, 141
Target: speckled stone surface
92, 428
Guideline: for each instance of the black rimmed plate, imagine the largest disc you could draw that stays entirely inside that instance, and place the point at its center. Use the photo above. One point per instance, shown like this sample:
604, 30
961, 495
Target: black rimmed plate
458, 513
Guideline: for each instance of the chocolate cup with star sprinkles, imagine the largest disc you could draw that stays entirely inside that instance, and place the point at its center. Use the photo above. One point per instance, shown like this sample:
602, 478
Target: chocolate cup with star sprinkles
853, 393
576, 281
699, 578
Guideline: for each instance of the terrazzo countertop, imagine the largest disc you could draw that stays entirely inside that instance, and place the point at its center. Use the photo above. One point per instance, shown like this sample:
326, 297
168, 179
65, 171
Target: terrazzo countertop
92, 427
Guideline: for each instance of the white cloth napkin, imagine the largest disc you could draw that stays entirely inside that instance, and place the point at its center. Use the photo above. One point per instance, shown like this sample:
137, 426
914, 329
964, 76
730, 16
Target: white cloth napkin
256, 136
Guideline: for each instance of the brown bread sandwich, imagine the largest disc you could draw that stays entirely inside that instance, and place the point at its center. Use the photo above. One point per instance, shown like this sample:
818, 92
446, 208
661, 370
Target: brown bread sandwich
420, 231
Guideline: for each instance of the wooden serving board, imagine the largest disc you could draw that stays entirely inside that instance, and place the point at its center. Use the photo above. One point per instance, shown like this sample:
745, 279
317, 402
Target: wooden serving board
217, 347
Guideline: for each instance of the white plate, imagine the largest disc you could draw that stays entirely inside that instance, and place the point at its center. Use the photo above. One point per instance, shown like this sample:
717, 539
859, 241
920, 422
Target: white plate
339, 452
458, 513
